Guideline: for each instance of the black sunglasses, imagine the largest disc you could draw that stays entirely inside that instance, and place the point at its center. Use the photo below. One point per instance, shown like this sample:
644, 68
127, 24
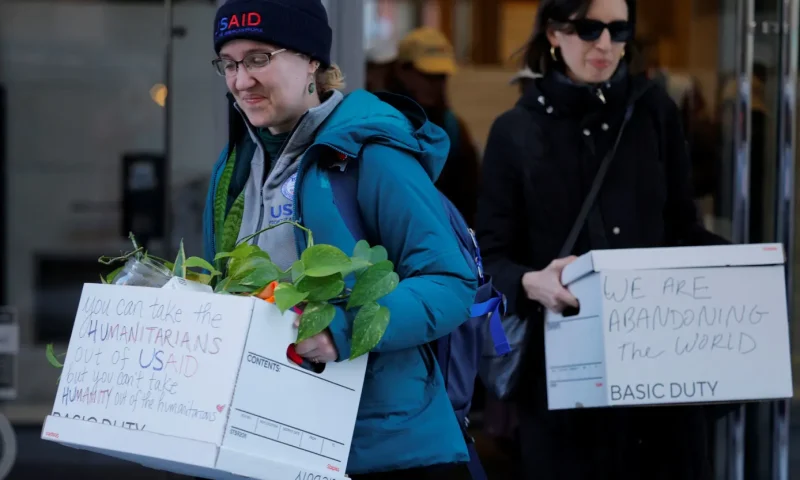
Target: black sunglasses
590, 30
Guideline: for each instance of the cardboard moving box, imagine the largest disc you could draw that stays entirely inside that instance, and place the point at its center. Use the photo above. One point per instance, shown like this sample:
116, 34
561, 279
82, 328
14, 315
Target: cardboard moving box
671, 326
201, 384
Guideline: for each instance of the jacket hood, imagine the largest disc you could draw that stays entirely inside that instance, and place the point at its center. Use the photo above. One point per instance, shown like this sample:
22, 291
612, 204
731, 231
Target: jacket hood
388, 119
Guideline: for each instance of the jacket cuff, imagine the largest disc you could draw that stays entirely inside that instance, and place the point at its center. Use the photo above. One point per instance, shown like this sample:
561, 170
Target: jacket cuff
341, 332
515, 293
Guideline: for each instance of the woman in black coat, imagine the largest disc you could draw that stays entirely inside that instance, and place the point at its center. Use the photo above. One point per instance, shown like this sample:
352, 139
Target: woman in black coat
540, 162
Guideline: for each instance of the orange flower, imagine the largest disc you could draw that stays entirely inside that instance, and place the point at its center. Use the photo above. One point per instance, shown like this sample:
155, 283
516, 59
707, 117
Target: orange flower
268, 293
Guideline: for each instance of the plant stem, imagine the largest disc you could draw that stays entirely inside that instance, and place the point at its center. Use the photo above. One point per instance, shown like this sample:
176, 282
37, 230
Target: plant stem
290, 222
136, 248
106, 260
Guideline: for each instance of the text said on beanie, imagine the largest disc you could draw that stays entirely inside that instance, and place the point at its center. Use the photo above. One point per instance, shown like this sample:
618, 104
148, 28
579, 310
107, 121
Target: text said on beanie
298, 25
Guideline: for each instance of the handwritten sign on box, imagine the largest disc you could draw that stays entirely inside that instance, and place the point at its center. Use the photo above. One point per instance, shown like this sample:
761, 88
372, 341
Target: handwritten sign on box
227, 397
692, 335
671, 325
148, 359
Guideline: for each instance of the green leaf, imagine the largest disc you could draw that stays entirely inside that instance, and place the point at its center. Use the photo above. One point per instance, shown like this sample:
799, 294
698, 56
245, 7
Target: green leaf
370, 255
298, 270
255, 270
322, 289
235, 257
243, 250
230, 286
368, 329
358, 265
324, 260
377, 281
287, 296
197, 262
103, 280
239, 288
315, 318
260, 254
362, 258
179, 269
230, 230
362, 250
113, 275
378, 254
51, 356
199, 277
221, 199
222, 286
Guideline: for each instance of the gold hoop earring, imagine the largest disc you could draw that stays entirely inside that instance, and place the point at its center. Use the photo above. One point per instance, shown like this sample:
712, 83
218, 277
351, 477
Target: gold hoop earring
553, 53
623, 53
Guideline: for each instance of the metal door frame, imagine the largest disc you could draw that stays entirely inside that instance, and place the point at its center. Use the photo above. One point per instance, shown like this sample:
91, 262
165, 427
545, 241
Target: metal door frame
740, 212
786, 26
784, 208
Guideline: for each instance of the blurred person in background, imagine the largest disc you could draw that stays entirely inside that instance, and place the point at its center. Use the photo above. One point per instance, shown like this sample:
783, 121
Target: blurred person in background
702, 131
425, 61
541, 160
380, 64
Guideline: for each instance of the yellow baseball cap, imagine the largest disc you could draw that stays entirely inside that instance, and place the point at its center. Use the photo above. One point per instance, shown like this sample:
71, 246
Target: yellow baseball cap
428, 50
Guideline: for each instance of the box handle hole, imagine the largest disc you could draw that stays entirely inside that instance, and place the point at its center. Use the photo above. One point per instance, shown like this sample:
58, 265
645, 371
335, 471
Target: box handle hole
571, 311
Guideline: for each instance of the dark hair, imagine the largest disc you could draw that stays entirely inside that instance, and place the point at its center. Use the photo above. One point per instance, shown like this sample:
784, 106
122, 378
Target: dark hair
556, 14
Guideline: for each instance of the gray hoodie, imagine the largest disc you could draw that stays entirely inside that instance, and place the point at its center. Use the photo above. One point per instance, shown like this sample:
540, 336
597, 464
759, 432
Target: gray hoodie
272, 201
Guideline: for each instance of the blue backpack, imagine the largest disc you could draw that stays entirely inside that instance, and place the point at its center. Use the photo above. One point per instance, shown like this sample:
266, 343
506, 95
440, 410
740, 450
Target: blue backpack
459, 352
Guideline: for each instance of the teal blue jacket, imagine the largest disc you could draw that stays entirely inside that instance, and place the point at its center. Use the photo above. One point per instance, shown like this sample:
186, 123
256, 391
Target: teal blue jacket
405, 418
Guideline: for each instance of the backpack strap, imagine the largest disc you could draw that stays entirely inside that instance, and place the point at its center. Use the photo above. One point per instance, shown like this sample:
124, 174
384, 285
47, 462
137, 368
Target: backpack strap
344, 185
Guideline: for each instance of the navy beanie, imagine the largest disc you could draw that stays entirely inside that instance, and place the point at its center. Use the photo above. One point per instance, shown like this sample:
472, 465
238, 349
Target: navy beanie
298, 25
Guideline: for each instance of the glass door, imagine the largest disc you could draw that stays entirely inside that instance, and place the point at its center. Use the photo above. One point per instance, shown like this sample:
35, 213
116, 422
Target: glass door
765, 195
730, 65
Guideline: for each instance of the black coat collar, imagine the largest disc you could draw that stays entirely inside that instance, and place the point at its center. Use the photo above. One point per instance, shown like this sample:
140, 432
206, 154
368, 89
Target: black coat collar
555, 94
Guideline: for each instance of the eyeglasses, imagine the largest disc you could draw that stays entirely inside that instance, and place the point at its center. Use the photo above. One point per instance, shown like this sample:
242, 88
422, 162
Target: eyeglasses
252, 62
590, 30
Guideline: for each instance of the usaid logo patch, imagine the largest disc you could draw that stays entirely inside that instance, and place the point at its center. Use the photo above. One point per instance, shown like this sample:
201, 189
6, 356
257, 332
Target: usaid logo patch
239, 23
287, 189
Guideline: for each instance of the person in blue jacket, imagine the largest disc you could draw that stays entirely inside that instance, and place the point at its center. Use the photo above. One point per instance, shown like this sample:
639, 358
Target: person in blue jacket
289, 126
